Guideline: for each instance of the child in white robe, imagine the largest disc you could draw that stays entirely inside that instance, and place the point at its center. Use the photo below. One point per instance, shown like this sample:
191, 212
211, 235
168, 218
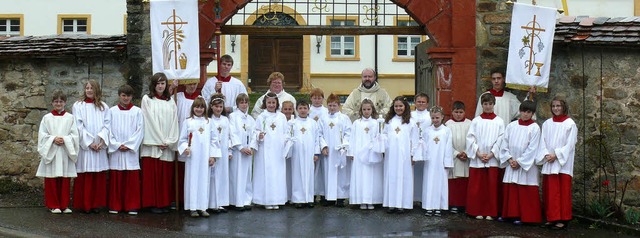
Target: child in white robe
288, 111
557, 152
459, 174
93, 119
316, 112
336, 129
197, 146
240, 172
58, 148
183, 100
519, 148
483, 147
125, 138
438, 157
400, 134
366, 170
269, 179
306, 144
221, 129
157, 153
422, 117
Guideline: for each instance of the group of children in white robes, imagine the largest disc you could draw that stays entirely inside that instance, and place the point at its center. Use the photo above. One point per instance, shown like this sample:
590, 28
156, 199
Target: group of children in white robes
232, 159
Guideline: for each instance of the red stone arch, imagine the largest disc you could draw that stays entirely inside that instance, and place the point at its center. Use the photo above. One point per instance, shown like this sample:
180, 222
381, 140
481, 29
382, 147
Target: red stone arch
449, 23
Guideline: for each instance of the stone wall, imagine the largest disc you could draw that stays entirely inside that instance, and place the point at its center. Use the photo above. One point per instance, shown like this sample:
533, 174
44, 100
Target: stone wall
26, 86
601, 87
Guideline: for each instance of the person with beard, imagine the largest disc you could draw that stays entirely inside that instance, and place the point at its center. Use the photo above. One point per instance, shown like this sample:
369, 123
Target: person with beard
370, 88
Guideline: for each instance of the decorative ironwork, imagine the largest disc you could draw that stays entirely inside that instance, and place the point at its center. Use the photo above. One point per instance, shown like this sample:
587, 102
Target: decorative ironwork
371, 14
320, 5
275, 19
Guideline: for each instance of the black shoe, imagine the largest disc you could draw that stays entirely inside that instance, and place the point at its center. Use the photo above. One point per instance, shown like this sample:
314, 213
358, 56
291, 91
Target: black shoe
223, 210
299, 205
166, 210
400, 211
247, 208
323, 201
391, 210
340, 203
95, 210
156, 210
547, 225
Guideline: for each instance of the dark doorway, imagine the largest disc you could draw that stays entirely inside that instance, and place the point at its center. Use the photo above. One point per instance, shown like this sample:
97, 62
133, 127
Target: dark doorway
268, 54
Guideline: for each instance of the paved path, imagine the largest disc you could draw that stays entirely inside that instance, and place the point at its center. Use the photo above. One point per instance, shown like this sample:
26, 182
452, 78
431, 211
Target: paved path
287, 222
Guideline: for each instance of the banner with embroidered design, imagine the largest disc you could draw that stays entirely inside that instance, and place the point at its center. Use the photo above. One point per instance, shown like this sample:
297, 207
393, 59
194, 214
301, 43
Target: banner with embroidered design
530, 47
175, 46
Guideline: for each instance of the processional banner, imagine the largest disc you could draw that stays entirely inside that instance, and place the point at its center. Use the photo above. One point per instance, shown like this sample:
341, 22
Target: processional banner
175, 46
530, 47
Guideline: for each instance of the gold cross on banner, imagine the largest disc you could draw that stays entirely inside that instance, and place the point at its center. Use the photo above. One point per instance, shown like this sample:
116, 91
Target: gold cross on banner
532, 37
176, 20
201, 130
397, 130
220, 130
303, 130
366, 130
331, 125
273, 126
436, 139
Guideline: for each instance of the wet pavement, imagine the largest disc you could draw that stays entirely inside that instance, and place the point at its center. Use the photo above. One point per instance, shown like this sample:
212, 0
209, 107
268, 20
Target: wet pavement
286, 222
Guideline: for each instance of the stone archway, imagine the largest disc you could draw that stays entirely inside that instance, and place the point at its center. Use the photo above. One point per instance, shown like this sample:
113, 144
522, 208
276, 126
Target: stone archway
449, 23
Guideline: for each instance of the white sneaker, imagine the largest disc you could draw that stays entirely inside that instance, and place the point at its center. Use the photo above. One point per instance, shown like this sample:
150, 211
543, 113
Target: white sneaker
370, 206
479, 217
276, 207
363, 206
56, 211
133, 213
268, 207
488, 218
113, 212
67, 211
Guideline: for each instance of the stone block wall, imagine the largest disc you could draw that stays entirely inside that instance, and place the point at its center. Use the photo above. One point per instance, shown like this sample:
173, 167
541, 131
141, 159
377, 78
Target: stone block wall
26, 86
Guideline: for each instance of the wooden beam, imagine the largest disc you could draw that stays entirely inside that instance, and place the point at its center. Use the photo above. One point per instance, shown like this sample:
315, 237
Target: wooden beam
322, 30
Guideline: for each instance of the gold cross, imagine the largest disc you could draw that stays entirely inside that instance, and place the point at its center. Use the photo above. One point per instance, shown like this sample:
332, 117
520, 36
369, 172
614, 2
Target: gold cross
244, 127
436, 139
303, 130
532, 36
201, 130
220, 130
315, 118
331, 125
175, 24
418, 124
273, 126
366, 130
397, 130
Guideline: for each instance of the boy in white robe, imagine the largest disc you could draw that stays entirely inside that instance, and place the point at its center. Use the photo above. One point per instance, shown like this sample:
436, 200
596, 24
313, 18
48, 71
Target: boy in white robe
459, 174
124, 154
224, 83
93, 120
240, 173
269, 179
336, 131
366, 169
422, 117
318, 111
400, 134
483, 146
198, 146
557, 152
521, 199
438, 141
306, 145
58, 146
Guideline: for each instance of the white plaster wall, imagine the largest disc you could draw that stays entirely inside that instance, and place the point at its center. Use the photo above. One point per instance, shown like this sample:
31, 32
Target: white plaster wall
593, 8
41, 16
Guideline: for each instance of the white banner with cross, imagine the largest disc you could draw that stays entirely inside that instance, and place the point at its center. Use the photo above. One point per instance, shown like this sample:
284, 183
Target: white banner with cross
175, 45
530, 47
